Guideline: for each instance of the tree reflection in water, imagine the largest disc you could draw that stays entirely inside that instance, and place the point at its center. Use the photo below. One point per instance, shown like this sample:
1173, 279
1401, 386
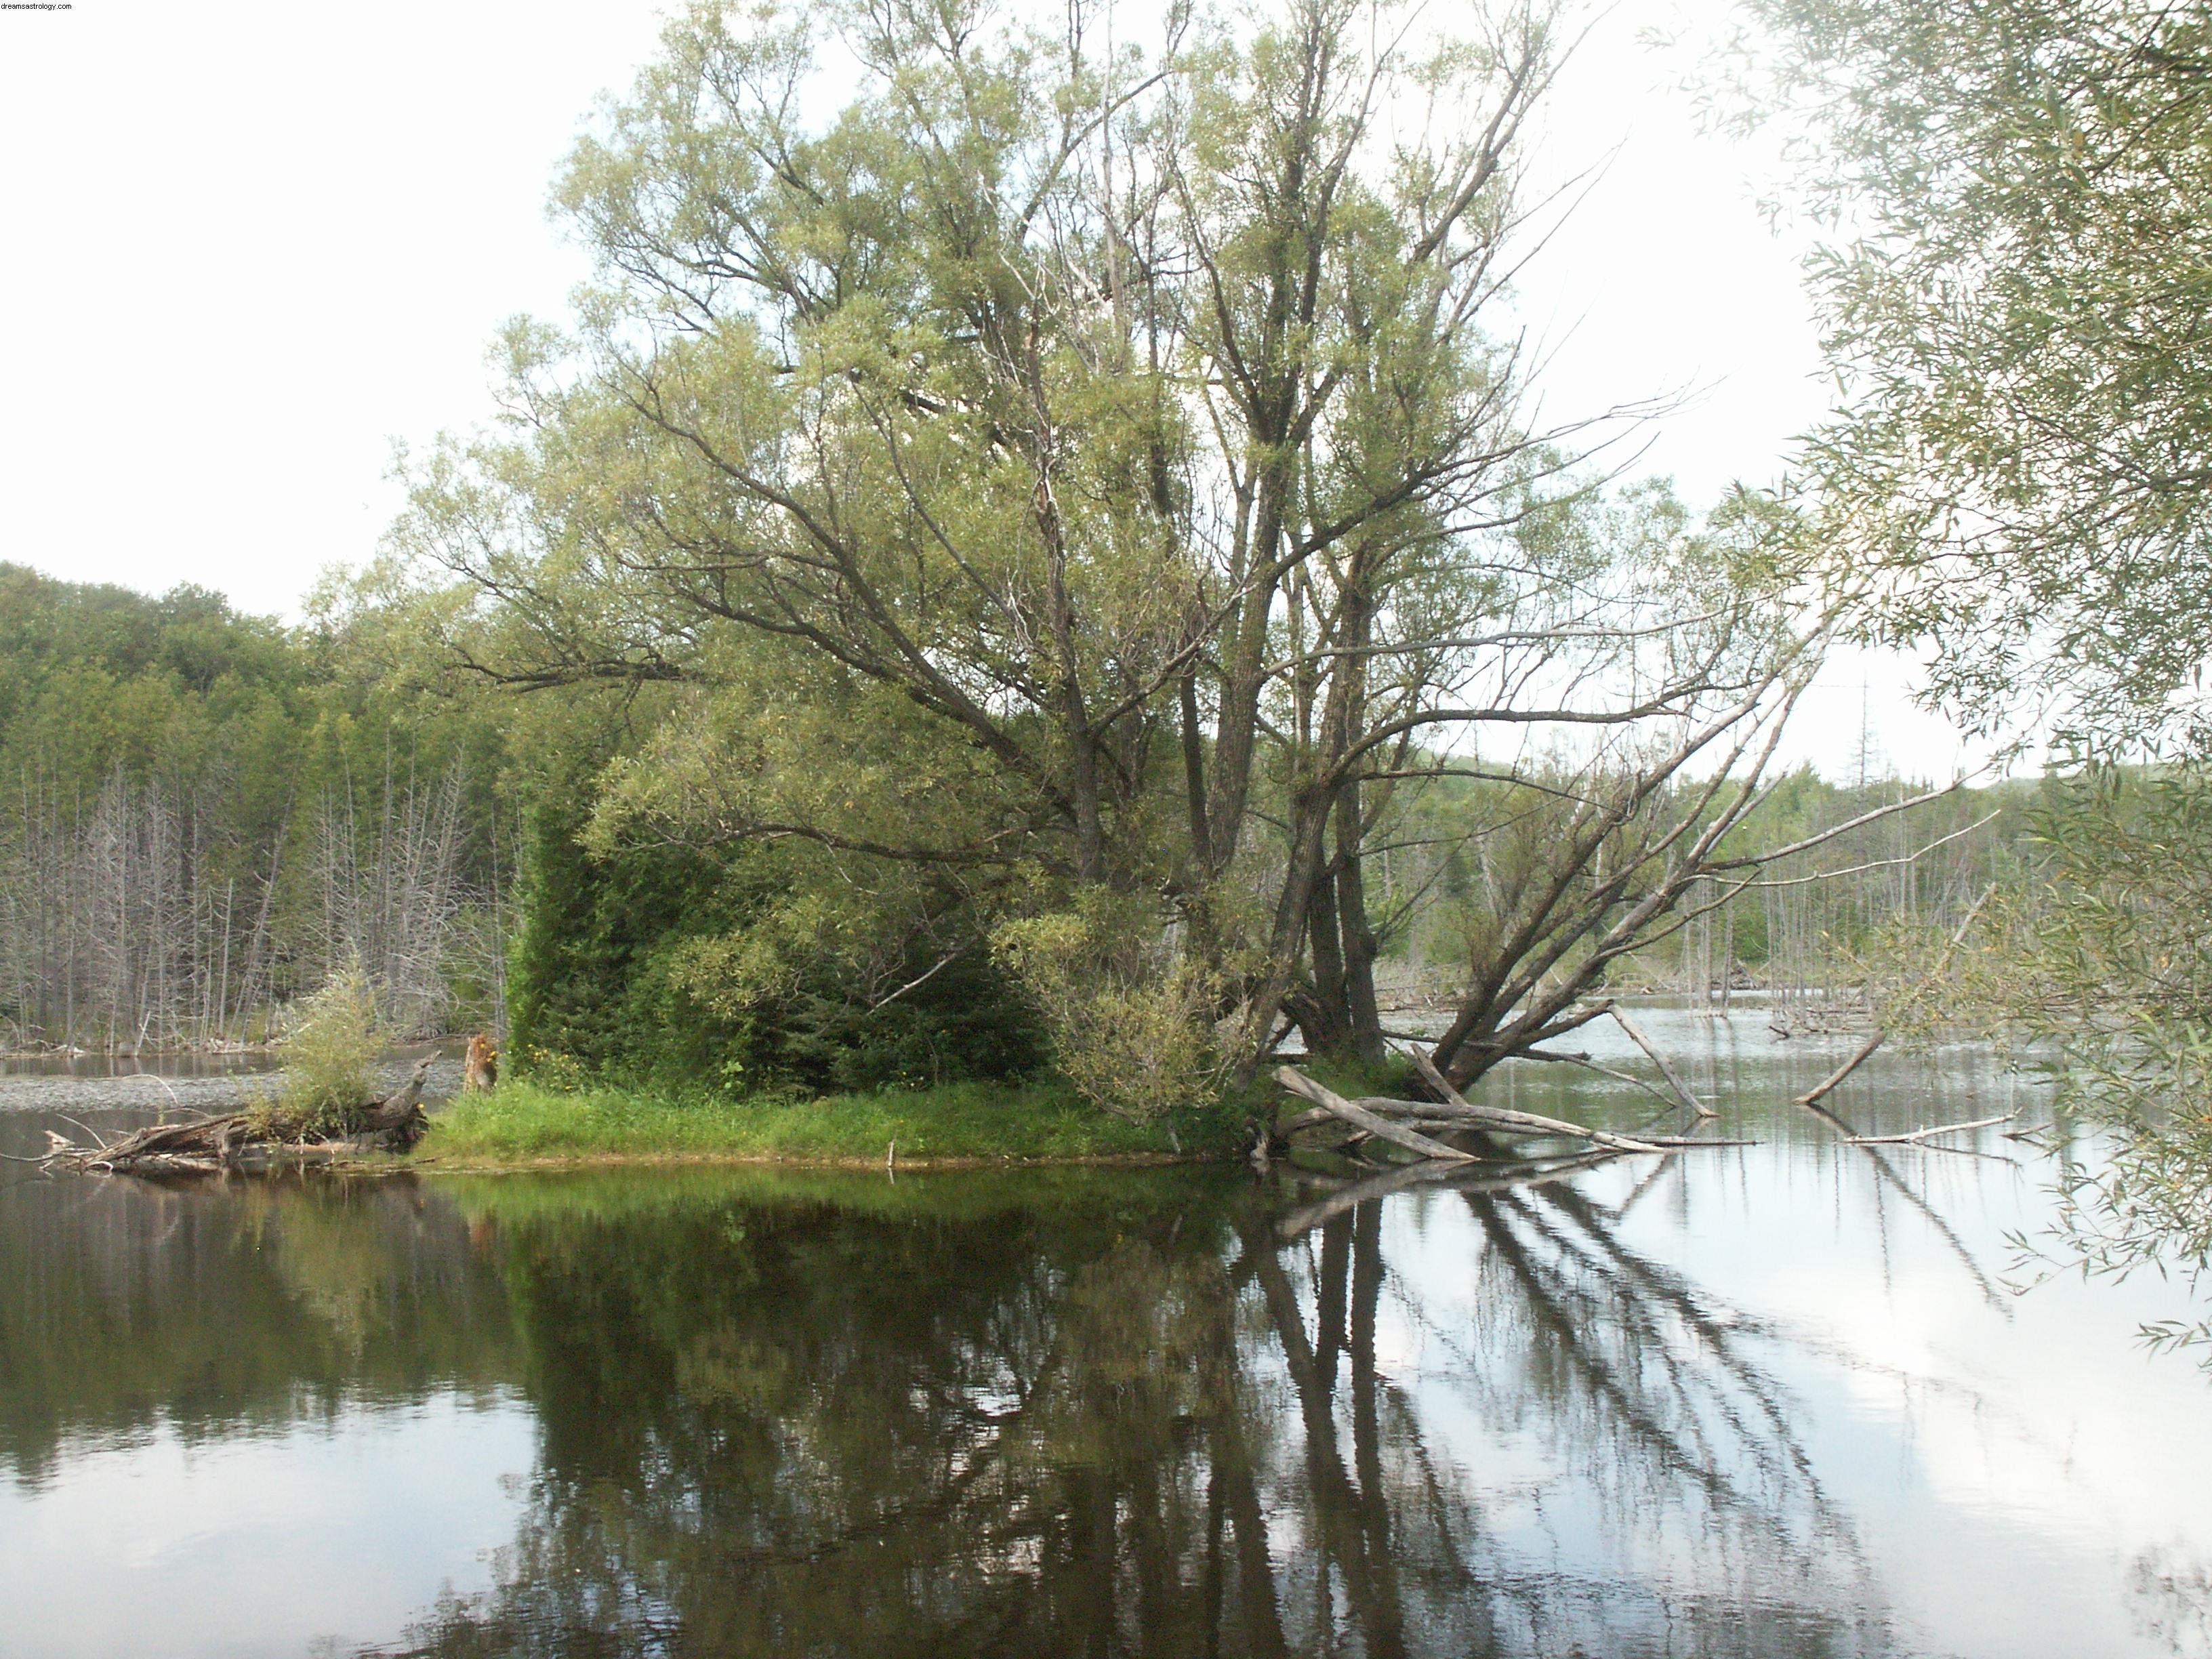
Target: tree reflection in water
1135, 1419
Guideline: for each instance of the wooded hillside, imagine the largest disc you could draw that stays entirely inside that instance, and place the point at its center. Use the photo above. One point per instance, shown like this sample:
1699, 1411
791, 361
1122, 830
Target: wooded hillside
204, 812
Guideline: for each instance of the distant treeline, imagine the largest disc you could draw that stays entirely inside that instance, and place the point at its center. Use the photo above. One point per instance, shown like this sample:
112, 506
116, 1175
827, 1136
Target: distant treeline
207, 812
1818, 923
1463, 856
203, 813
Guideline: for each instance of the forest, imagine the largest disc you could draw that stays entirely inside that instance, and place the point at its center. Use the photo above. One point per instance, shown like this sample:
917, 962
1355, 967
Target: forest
1047, 901
211, 812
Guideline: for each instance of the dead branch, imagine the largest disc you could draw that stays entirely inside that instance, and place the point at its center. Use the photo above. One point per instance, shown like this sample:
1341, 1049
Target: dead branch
1918, 1135
392, 1123
1636, 1035
1498, 1117
1389, 1120
1958, 937
1589, 1064
1381, 1128
1827, 1084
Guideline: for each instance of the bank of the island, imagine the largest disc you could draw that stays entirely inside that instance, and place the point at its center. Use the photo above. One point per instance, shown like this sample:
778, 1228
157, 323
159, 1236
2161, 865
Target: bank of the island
524, 1125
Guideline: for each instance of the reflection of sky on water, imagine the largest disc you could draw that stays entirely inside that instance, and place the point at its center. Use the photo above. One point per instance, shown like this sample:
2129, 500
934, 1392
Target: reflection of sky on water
1775, 1399
2006, 1465
265, 1542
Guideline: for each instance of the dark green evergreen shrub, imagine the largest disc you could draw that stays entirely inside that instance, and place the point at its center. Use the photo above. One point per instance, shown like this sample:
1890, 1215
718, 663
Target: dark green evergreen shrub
595, 992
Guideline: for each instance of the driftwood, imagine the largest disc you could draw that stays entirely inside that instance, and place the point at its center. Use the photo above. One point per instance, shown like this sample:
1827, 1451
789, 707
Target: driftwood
1390, 1120
1565, 1058
392, 1123
1498, 1117
1636, 1035
1918, 1135
1826, 1086
1360, 1118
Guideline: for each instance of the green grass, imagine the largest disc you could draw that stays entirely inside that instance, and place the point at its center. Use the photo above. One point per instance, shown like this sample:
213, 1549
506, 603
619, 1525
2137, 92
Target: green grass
521, 1123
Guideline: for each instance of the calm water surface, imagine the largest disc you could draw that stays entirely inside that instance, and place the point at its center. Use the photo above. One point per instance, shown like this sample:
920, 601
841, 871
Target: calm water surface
1773, 1401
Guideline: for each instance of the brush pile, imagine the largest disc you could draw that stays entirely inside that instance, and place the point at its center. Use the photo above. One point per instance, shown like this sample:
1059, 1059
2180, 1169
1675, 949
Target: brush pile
254, 1138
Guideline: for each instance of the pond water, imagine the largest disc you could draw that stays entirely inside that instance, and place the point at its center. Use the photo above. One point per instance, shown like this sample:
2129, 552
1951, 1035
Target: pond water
1777, 1400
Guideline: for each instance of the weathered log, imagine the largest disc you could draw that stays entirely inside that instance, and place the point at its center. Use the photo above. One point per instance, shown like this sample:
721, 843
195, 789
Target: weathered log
1636, 1035
1428, 1115
399, 1119
1826, 1086
1378, 1110
1588, 1064
1381, 1128
394, 1122
1938, 1129
1498, 1117
1528, 1123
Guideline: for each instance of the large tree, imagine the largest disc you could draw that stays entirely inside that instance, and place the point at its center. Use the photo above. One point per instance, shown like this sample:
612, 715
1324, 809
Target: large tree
1087, 479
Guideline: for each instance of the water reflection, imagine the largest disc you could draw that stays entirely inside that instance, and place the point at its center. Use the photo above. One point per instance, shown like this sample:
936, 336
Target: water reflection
1773, 1403
126, 1306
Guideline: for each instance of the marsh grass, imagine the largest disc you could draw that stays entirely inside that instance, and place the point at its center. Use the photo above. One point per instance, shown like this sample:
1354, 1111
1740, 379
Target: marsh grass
521, 1123
330, 1056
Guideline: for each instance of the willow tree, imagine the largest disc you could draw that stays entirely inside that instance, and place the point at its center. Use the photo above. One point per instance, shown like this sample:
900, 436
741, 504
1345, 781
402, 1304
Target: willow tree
1086, 481
2012, 283
2014, 287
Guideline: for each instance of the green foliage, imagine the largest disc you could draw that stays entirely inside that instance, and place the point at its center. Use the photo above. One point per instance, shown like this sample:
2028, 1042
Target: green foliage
234, 809
1021, 513
330, 1055
522, 1122
2022, 470
1133, 1034
2094, 964
685, 969
588, 980
2014, 307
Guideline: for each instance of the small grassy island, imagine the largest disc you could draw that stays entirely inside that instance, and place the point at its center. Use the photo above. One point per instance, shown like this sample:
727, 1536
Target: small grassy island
524, 1125
527, 1124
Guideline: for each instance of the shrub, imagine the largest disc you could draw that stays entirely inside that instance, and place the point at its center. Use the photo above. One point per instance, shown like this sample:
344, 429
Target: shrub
1131, 1021
330, 1057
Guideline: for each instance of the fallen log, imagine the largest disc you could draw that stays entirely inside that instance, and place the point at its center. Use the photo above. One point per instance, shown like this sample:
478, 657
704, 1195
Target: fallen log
1636, 1035
1826, 1086
1376, 1115
1918, 1135
1589, 1064
390, 1123
399, 1117
1381, 1128
1499, 1117
1427, 1116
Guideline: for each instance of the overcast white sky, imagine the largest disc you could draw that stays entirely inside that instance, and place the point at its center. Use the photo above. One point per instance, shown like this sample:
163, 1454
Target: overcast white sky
249, 245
